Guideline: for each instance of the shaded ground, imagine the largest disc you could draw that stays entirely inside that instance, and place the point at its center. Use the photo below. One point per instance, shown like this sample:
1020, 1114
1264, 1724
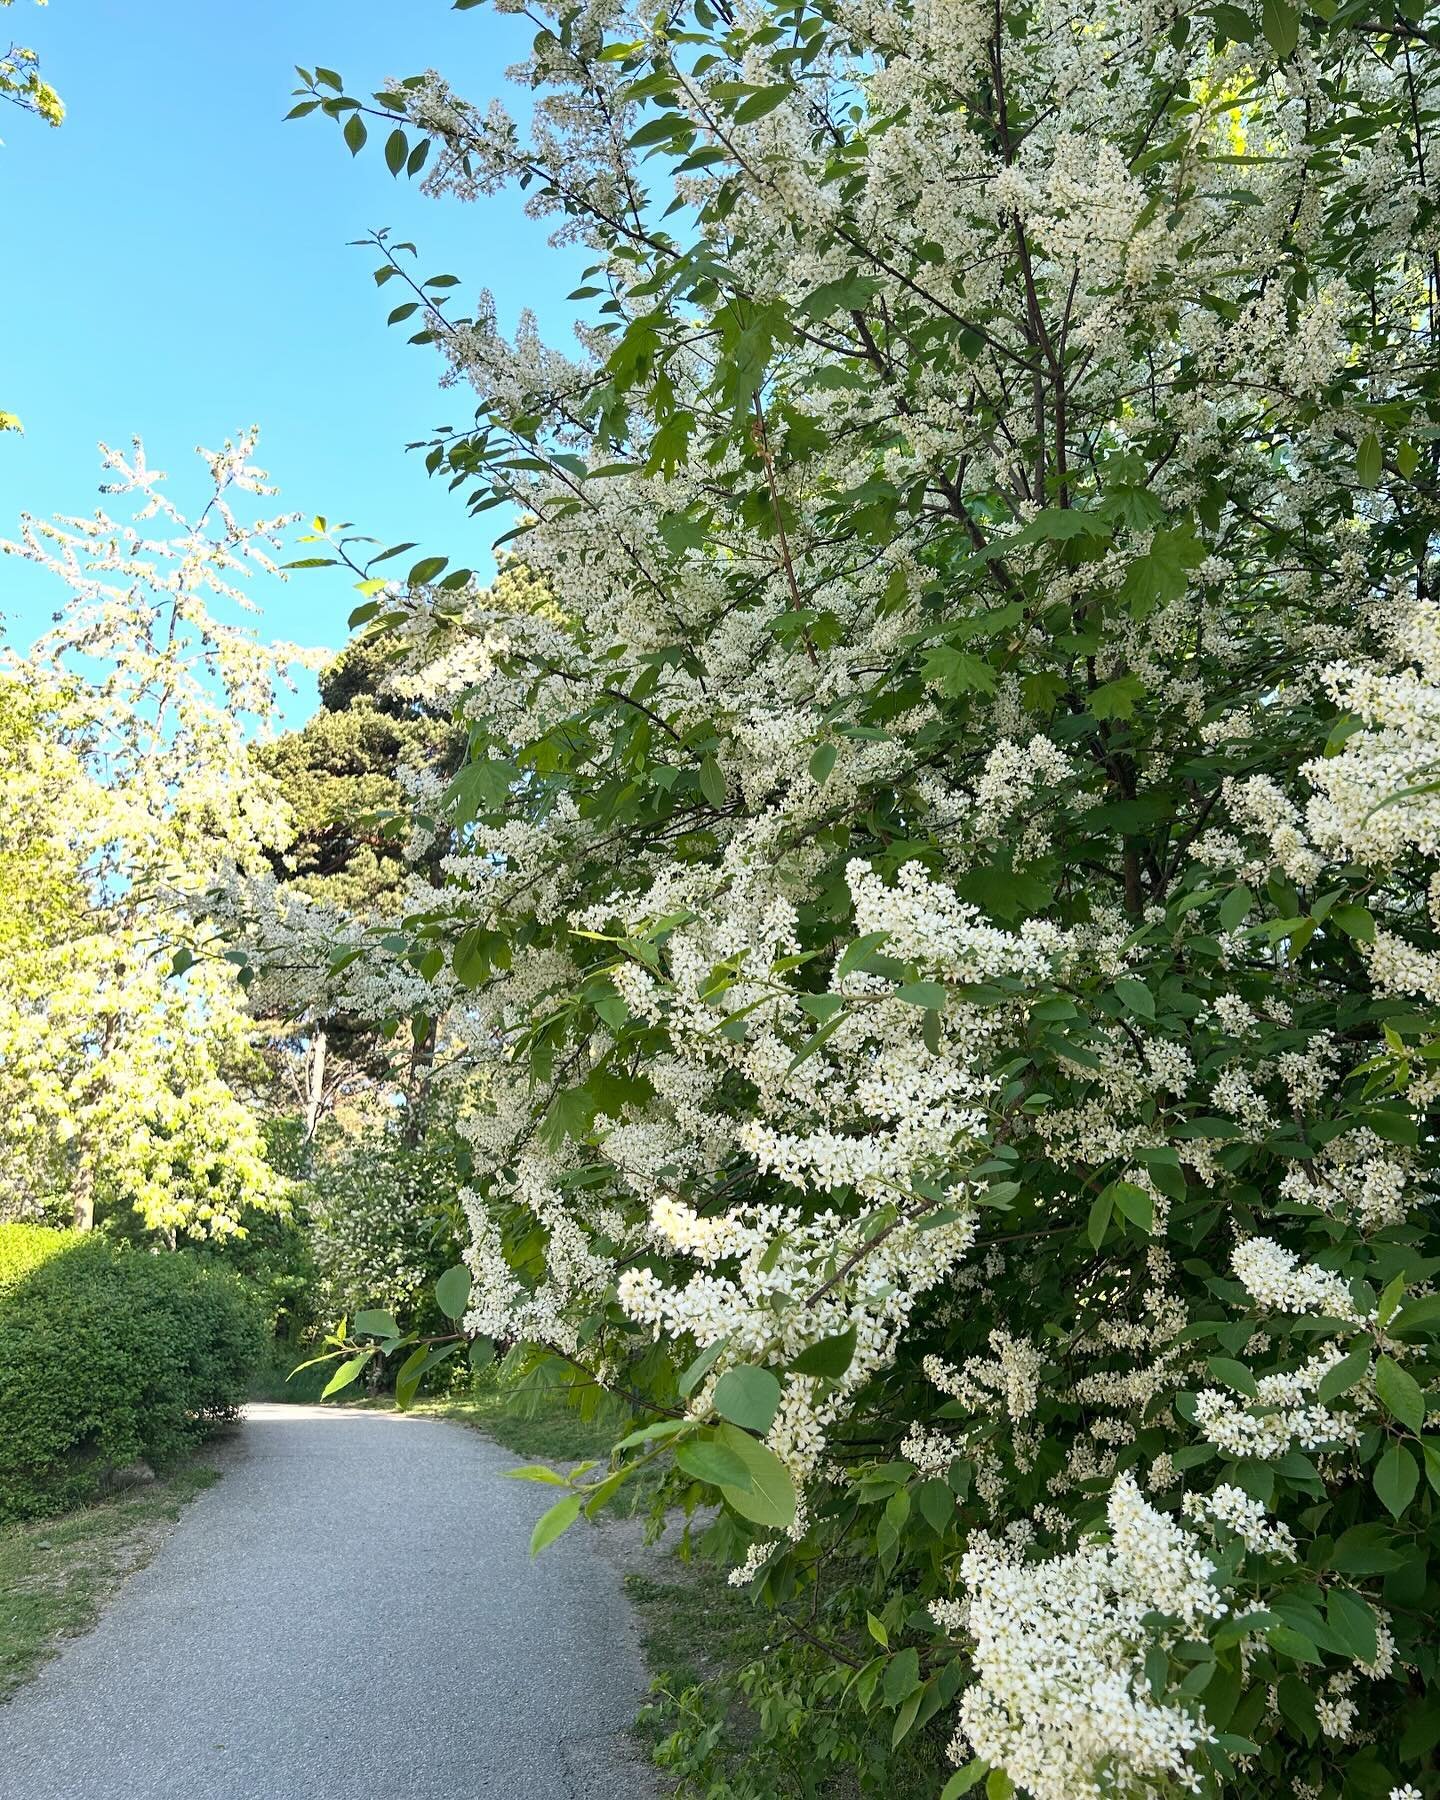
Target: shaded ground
352, 1611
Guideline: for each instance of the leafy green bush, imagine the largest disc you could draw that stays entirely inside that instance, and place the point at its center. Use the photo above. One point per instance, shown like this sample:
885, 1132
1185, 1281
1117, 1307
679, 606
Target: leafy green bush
26, 1247
107, 1354
383, 1226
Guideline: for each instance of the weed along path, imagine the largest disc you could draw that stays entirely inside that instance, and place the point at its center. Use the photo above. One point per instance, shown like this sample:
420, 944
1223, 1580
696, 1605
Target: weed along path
351, 1612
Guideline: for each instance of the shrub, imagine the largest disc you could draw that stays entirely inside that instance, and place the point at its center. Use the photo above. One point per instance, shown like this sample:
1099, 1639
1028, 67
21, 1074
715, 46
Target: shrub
947, 915
107, 1354
26, 1247
382, 1230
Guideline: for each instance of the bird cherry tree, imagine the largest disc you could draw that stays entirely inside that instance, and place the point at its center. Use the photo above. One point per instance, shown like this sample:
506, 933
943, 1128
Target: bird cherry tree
946, 895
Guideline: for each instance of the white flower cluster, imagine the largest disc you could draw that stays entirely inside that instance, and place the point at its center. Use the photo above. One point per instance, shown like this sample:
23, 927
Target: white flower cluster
1379, 796
1285, 1414
1275, 1278
1060, 1700
1241, 1513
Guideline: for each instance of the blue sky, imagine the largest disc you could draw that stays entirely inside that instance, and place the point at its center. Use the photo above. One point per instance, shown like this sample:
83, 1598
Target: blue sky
178, 267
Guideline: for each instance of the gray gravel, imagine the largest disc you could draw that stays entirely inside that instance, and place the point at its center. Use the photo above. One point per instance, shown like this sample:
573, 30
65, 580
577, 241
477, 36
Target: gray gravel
350, 1613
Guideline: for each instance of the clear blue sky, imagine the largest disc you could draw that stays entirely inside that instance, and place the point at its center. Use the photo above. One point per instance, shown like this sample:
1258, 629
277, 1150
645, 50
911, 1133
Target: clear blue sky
178, 267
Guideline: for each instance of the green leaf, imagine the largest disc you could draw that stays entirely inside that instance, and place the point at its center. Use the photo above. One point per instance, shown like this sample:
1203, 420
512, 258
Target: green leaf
849, 294
396, 150
1366, 1550
964, 1779
830, 1357
1390, 1299
1234, 1375
1137, 997
1354, 921
699, 1369
424, 572
928, 994
1400, 1393
770, 1500
748, 1396
1235, 907
481, 1353
877, 1631
905, 1718
417, 1366
536, 1472
1421, 1318
1056, 524
1368, 458
452, 1291
1161, 576
712, 782
707, 1459
1117, 699
1396, 1479
902, 1676
936, 1503
345, 1374
657, 1429
355, 133
1292, 1643
1136, 1205
558, 1520
1281, 24
957, 672
755, 106
407, 1376
1340, 1379
375, 1323
859, 952
822, 762
1100, 1213
1353, 1623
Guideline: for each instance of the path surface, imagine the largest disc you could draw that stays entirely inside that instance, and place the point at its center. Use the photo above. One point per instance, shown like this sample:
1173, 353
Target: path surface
350, 1614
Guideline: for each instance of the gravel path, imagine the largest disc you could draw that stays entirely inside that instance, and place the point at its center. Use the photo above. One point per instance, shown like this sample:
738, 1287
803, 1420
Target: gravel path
350, 1614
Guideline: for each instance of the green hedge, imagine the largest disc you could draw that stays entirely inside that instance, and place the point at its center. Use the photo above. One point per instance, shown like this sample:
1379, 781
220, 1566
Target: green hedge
109, 1353
25, 1247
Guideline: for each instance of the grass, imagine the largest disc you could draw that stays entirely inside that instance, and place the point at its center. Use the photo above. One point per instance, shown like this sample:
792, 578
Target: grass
273, 1380
56, 1574
703, 1728
688, 1722
530, 1421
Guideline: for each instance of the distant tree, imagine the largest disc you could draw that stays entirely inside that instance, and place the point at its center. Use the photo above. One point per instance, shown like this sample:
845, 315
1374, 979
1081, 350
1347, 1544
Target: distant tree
342, 774
348, 776
129, 797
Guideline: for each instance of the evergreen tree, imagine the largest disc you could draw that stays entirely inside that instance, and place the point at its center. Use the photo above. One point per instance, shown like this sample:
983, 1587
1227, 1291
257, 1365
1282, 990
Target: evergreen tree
347, 775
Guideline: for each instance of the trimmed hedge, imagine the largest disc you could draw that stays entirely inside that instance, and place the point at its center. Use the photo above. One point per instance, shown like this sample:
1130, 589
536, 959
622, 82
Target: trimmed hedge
107, 1354
25, 1247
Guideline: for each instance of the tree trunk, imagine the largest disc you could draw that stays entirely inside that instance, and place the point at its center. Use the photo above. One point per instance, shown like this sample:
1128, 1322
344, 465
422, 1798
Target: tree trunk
315, 1084
82, 1214
422, 1057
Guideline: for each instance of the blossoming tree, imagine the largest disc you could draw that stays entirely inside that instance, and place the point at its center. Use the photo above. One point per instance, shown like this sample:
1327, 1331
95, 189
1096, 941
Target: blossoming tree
947, 896
129, 793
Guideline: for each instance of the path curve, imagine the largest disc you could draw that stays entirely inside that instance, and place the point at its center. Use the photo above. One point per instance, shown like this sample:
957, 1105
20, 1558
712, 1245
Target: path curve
350, 1614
